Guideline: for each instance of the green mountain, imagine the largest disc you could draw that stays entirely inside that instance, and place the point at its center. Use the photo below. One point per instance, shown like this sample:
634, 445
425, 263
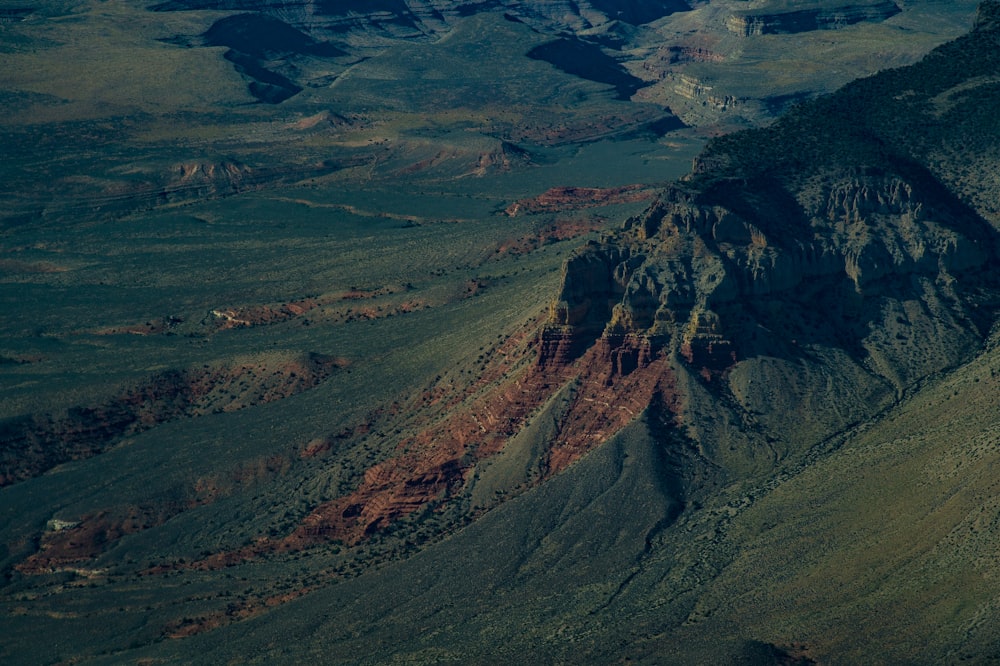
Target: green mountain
809, 480
393, 367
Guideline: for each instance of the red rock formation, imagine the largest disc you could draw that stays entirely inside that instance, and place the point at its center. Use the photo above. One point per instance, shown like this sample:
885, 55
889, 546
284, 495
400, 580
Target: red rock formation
617, 381
558, 230
558, 346
433, 466
559, 199
155, 326
327, 308
315, 447
611, 382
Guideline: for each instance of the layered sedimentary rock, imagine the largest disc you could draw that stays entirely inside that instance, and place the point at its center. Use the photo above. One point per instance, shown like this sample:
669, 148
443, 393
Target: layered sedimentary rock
674, 269
805, 19
814, 269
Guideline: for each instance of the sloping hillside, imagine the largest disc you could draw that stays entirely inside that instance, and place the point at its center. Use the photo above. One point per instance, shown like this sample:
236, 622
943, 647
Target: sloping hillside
389, 371
809, 476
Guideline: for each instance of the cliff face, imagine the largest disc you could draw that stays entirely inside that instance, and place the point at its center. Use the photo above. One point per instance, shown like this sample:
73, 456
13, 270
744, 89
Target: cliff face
762, 22
807, 274
863, 270
802, 279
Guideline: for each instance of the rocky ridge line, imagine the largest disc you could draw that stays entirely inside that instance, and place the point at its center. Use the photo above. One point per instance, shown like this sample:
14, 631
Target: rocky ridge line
761, 22
35, 443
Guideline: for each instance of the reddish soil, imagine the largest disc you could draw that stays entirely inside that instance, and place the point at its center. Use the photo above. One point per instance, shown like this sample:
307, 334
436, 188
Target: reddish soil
247, 316
78, 544
553, 232
261, 315
315, 447
241, 609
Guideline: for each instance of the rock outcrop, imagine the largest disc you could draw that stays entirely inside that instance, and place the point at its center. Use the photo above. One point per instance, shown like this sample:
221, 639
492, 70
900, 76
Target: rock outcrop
35, 443
804, 19
806, 273
696, 273
561, 199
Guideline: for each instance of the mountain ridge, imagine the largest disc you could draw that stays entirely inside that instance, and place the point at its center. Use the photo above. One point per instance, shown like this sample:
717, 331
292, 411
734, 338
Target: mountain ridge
754, 423
798, 315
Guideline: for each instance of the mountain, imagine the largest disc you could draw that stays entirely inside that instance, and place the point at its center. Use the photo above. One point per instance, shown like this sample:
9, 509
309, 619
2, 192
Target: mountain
671, 47
362, 372
800, 333
106, 111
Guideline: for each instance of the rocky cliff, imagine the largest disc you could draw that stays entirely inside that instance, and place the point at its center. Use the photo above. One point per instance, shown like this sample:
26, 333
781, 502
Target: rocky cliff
803, 18
816, 269
801, 279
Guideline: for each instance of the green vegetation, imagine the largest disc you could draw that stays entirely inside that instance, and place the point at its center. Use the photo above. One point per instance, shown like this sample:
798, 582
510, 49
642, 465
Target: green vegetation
180, 256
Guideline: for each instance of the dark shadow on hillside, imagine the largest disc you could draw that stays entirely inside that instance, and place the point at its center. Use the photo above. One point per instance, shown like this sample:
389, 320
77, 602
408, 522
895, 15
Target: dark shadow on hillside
259, 36
253, 38
638, 12
589, 62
